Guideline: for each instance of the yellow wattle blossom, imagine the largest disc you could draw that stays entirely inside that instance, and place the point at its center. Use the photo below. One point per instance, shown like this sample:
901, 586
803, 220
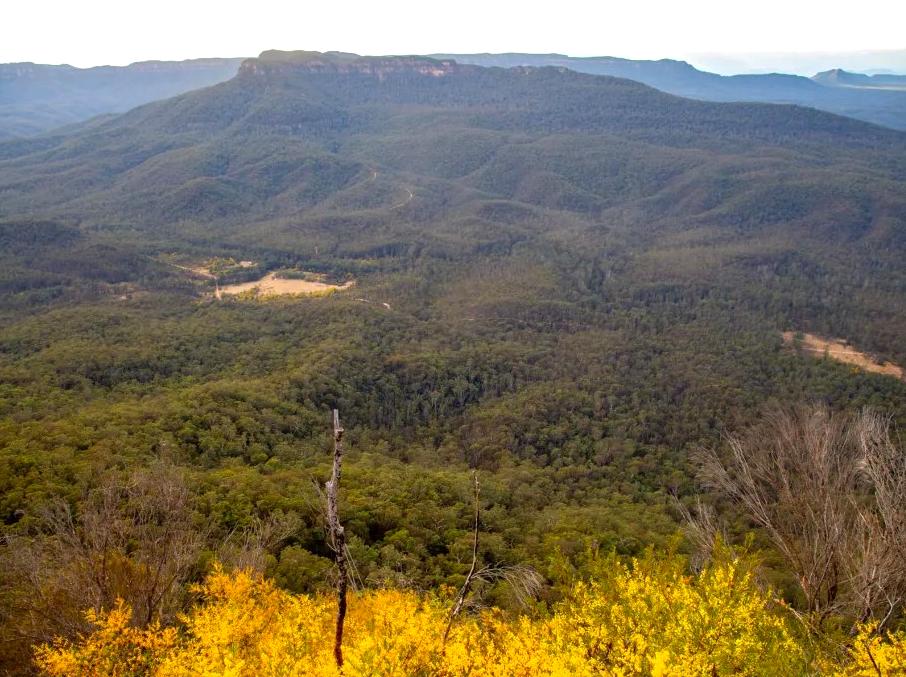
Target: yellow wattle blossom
116, 648
872, 655
649, 618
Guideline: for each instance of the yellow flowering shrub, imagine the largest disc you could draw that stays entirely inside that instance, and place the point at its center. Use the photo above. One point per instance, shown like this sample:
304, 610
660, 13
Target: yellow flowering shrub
872, 654
655, 619
650, 618
116, 648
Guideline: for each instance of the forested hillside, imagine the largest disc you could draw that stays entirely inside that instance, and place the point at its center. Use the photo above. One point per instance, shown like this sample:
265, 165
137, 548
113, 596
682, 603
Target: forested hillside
568, 283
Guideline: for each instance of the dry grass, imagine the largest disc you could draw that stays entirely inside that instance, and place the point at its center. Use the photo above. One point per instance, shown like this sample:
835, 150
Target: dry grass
838, 349
271, 285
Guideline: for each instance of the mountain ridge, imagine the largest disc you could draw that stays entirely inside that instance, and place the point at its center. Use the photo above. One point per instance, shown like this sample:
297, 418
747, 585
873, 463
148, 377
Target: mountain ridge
292, 132
837, 77
887, 108
37, 98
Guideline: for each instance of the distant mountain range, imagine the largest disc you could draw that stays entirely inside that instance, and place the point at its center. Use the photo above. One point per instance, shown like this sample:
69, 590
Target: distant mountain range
869, 61
327, 143
35, 98
879, 99
841, 78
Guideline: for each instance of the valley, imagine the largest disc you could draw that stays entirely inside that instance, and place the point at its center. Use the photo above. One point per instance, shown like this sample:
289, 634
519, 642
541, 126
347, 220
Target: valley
534, 296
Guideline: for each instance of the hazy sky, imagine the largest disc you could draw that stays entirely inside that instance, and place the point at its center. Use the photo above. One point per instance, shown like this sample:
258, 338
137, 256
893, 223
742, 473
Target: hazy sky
93, 32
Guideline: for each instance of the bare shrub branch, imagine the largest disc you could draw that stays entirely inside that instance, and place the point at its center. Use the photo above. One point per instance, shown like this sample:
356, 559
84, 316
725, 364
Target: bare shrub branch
133, 538
703, 529
251, 547
524, 582
467, 584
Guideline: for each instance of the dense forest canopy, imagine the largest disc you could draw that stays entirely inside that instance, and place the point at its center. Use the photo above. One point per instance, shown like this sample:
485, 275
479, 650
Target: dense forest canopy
568, 283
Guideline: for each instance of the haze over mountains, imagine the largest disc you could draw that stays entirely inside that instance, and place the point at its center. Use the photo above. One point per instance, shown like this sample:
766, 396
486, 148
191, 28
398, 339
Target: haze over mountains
870, 103
36, 98
869, 61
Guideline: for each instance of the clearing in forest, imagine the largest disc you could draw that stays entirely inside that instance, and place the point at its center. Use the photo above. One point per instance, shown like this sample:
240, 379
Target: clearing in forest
271, 285
213, 268
838, 349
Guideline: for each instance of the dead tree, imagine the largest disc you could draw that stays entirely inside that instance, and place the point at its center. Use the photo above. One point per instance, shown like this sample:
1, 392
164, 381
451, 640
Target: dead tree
464, 591
134, 538
880, 580
524, 582
337, 537
829, 489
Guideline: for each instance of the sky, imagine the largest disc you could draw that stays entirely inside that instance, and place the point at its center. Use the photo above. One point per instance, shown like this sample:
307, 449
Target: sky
96, 32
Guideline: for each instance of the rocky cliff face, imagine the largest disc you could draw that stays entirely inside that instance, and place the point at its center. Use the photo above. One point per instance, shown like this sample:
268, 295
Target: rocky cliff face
340, 63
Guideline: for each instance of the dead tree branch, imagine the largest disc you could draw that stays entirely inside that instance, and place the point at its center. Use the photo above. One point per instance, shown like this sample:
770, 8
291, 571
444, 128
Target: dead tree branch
337, 537
464, 591
703, 529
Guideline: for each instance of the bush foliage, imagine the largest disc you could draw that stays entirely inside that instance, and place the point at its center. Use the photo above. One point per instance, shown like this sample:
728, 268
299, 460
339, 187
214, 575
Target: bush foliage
648, 617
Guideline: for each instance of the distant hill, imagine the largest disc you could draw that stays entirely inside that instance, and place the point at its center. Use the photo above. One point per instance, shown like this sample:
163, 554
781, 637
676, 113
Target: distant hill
35, 98
841, 78
801, 63
299, 131
884, 107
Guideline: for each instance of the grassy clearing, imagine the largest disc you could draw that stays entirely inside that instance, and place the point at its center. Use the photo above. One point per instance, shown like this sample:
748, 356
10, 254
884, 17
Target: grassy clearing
272, 285
838, 349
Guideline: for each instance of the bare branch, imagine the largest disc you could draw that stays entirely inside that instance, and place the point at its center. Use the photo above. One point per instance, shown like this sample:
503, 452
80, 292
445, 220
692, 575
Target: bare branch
523, 580
461, 598
337, 536
250, 547
703, 530
132, 538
